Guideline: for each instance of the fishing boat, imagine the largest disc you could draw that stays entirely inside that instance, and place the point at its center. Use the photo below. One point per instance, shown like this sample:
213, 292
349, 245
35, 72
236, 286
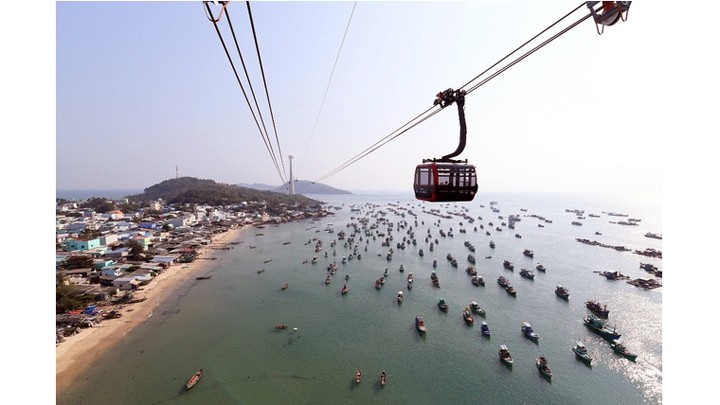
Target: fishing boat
542, 366
442, 305
528, 274
505, 356
280, 326
622, 350
328, 278
378, 284
402, 268
540, 267
528, 253
420, 324
345, 289
383, 378
358, 376
203, 277
485, 329
476, 308
434, 264
597, 308
598, 326
511, 290
492, 244
471, 258
562, 292
268, 260
502, 281
528, 331
387, 272
477, 280
471, 270
468, 316
400, 297
194, 379
508, 265
284, 287
582, 352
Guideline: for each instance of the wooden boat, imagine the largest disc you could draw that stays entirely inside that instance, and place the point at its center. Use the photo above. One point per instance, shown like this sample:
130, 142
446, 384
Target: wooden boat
383, 378
400, 297
505, 356
420, 324
358, 376
328, 278
562, 292
468, 316
540, 267
597, 308
267, 260
280, 326
582, 352
511, 290
542, 366
476, 308
284, 287
622, 350
345, 289
194, 379
203, 277
442, 305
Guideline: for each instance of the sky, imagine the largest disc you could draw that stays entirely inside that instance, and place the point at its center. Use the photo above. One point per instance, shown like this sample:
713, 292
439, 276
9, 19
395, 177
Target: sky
145, 92
101, 95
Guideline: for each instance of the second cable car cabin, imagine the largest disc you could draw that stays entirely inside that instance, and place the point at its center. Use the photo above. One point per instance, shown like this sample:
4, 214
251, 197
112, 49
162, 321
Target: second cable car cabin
444, 179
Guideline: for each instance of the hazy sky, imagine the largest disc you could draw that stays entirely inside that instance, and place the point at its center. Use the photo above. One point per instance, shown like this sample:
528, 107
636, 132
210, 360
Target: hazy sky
145, 87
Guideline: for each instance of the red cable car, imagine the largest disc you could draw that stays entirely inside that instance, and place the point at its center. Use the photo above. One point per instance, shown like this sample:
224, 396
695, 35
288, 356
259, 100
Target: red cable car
444, 179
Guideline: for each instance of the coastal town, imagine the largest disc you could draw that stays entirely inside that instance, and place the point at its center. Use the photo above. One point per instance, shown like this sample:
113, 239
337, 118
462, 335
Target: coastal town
107, 261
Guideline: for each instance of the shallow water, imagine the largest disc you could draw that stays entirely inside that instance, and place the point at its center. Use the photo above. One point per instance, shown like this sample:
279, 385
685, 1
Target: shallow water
225, 325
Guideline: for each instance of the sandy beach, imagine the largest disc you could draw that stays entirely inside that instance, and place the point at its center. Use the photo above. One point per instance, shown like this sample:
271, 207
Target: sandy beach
77, 352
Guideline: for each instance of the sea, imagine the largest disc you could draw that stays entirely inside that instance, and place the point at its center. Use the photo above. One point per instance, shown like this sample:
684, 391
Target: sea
225, 325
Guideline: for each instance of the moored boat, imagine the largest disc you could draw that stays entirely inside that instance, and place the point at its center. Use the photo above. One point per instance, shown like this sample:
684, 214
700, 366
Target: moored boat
508, 265
511, 290
400, 297
598, 326
477, 280
542, 366
528, 253
505, 356
540, 267
420, 324
622, 350
468, 316
582, 352
502, 281
194, 379
562, 292
528, 331
597, 308
485, 329
476, 308
442, 305
528, 274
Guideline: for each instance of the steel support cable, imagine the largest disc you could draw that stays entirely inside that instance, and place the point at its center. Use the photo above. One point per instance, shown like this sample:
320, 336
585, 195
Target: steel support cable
523, 45
327, 88
227, 53
384, 141
267, 94
528, 53
252, 91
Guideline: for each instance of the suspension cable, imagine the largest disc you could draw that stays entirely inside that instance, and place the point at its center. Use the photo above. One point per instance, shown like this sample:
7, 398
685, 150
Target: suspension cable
267, 93
242, 88
390, 137
337, 57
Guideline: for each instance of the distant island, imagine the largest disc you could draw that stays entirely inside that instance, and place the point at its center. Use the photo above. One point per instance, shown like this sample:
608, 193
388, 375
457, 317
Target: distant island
191, 190
301, 187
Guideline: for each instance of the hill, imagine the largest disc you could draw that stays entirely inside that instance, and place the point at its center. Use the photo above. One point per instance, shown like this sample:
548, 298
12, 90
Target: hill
301, 187
196, 191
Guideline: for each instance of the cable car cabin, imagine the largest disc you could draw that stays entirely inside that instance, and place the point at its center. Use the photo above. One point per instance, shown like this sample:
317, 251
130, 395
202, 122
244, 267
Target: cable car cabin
444, 181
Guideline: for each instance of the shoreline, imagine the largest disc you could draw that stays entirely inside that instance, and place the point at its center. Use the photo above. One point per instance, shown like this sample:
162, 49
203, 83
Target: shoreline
76, 353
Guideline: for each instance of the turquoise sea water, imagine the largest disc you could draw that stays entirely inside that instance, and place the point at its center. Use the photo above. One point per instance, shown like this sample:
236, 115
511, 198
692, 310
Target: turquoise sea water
225, 325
